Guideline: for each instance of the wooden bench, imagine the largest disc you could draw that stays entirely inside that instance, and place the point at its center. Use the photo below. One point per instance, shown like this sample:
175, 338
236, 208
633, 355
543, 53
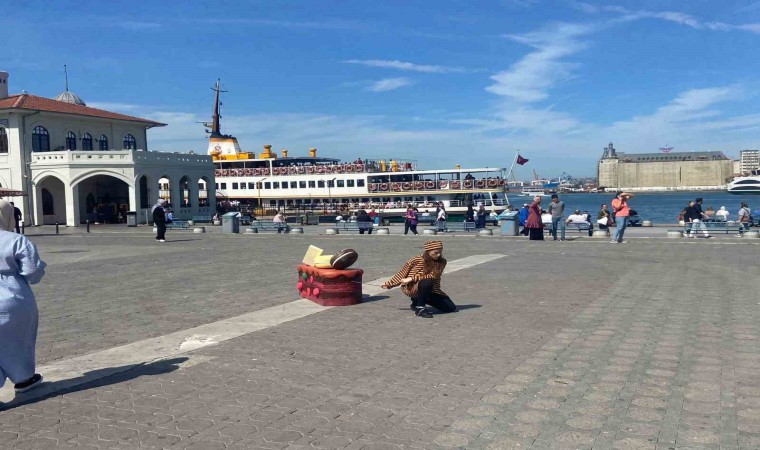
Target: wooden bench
353, 226
268, 225
177, 225
449, 227
201, 219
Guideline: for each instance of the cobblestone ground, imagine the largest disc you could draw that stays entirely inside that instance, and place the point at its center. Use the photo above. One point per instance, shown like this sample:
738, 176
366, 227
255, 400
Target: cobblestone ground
652, 344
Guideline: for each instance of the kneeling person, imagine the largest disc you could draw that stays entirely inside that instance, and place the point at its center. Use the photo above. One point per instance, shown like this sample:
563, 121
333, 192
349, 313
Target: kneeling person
420, 279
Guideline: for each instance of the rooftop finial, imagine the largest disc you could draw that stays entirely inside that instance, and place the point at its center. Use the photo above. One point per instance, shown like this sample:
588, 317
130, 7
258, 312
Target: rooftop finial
66, 75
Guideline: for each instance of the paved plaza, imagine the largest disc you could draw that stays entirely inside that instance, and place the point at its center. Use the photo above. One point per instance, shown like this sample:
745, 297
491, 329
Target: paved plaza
202, 343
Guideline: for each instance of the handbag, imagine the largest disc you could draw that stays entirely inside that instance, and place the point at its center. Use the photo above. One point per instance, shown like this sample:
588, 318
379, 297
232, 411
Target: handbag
602, 221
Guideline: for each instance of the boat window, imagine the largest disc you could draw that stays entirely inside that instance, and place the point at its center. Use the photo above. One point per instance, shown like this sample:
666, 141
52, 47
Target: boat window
251, 185
224, 185
302, 184
234, 185
331, 183
284, 185
359, 183
350, 183
320, 183
267, 185
341, 183
216, 185
312, 184
293, 185
275, 185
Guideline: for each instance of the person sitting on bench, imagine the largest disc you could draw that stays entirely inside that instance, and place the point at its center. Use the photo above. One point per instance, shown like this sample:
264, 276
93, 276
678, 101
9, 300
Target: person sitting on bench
420, 279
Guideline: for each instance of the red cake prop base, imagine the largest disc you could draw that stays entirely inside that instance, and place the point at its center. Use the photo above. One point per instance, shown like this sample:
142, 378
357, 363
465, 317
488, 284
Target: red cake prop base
330, 287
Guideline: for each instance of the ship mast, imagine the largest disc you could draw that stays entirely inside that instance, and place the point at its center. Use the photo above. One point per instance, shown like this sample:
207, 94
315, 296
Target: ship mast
215, 129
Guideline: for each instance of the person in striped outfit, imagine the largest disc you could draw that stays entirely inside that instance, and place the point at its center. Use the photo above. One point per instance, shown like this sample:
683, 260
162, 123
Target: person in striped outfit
420, 279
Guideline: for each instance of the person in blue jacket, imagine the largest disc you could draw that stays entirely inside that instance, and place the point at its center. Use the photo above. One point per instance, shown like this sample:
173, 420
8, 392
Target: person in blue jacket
523, 218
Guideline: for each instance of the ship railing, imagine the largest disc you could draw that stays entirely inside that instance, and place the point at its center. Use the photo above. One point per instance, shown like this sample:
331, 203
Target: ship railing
474, 184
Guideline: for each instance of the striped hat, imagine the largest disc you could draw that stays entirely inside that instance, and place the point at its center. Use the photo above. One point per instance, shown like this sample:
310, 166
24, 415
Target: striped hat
433, 245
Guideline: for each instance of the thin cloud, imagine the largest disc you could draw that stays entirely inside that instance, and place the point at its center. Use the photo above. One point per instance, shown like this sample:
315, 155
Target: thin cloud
138, 26
389, 84
403, 65
677, 17
529, 79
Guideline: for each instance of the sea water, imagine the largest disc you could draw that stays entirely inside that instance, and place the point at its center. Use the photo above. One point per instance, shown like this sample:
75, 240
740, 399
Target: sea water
660, 208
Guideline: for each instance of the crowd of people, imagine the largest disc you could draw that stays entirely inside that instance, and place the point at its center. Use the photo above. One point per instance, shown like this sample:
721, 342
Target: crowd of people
534, 219
693, 218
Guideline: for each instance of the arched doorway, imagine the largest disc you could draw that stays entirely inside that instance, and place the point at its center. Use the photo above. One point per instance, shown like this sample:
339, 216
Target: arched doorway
51, 201
164, 188
184, 191
144, 194
203, 199
103, 199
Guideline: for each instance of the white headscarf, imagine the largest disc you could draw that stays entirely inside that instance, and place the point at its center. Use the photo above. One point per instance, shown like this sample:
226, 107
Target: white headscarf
159, 204
7, 219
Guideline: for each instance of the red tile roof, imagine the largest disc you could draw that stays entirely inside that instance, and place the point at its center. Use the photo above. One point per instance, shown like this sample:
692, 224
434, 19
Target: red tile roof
34, 103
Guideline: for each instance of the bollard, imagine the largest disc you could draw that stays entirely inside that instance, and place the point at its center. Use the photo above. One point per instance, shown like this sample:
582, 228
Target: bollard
88, 225
56, 227
22, 227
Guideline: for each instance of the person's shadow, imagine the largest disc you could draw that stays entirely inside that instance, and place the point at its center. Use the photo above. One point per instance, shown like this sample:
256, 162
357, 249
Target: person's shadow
93, 379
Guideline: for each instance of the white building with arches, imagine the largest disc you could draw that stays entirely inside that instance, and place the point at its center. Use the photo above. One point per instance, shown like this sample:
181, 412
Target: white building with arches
77, 163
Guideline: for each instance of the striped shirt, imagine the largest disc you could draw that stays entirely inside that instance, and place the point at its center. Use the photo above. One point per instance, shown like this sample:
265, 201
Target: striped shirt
415, 268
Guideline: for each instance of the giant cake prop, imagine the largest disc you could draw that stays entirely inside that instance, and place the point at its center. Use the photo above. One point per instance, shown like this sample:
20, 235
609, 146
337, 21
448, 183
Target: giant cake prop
327, 279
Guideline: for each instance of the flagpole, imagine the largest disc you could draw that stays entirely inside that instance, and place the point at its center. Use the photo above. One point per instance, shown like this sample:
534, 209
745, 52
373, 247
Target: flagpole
514, 160
506, 182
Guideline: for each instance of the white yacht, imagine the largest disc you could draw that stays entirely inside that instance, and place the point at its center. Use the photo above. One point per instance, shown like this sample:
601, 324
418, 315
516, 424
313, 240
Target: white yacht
745, 185
311, 183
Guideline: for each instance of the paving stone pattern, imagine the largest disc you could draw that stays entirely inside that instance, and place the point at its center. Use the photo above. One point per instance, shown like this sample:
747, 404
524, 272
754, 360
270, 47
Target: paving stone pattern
558, 345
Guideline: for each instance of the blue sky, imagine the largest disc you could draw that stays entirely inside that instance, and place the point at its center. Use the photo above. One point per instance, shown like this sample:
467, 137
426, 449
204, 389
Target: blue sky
442, 82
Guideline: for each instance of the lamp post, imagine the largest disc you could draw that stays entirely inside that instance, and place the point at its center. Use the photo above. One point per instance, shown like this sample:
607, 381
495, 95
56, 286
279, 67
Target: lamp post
258, 185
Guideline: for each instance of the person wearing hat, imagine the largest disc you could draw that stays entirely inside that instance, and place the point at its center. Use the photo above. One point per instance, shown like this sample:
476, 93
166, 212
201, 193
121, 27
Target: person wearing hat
420, 279
524, 212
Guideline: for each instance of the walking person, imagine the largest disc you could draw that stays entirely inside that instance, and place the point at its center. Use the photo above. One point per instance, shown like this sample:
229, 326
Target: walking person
621, 212
482, 213
687, 214
159, 219
441, 217
697, 219
557, 210
469, 215
744, 218
420, 279
17, 216
20, 266
604, 219
410, 220
534, 224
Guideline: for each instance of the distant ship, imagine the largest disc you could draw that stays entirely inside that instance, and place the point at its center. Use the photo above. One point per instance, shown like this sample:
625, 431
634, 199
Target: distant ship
745, 185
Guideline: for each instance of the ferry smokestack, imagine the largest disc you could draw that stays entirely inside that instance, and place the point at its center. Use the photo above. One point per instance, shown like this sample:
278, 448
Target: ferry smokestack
284, 152
267, 152
313, 152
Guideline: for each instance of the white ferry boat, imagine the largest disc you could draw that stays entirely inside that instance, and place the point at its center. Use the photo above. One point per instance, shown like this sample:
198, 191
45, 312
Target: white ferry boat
311, 183
745, 185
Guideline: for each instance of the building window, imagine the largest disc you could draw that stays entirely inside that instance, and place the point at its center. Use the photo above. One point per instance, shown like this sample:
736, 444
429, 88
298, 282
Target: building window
3, 141
71, 141
87, 141
103, 142
40, 140
129, 142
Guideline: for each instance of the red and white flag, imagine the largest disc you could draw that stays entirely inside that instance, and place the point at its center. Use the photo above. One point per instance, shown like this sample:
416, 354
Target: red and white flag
520, 160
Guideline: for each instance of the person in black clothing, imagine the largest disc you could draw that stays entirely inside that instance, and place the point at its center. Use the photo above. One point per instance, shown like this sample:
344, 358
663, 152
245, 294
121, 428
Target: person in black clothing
364, 221
159, 219
17, 217
469, 216
697, 216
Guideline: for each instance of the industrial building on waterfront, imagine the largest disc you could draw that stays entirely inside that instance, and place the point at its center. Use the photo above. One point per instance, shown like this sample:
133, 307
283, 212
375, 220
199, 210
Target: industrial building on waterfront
663, 171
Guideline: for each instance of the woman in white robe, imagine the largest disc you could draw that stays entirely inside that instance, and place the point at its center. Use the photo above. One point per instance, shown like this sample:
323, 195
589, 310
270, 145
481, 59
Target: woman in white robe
20, 266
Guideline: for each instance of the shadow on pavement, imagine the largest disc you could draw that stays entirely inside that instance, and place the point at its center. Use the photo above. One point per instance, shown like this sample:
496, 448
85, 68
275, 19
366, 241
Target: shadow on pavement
94, 379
